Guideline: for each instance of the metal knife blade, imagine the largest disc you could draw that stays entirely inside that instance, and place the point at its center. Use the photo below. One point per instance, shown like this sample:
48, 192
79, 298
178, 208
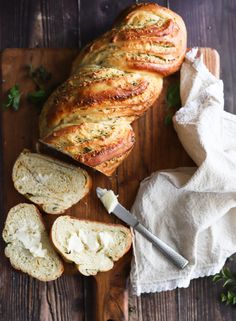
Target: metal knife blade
120, 211
123, 214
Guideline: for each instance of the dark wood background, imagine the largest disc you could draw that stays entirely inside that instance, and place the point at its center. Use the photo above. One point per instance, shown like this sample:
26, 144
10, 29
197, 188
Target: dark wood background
72, 23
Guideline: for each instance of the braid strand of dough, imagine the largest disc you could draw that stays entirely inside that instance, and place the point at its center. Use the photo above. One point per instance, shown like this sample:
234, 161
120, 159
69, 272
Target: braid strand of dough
114, 80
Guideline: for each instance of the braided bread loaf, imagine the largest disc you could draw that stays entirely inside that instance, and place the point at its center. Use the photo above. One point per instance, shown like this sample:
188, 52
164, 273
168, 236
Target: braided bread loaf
114, 80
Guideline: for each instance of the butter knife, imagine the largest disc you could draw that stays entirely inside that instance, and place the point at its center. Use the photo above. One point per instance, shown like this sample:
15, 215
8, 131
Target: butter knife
109, 200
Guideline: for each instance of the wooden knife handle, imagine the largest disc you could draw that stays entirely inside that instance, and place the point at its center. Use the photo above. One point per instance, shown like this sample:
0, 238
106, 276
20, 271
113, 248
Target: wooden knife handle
111, 292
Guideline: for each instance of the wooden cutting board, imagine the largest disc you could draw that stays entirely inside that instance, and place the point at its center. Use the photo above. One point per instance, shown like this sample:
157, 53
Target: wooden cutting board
157, 147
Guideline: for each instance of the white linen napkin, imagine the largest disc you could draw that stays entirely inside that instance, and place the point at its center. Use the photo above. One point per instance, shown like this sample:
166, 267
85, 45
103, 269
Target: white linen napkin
191, 209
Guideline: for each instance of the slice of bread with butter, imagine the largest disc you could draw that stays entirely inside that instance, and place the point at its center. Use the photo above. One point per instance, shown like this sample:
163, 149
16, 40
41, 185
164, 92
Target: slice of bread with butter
92, 246
53, 185
28, 245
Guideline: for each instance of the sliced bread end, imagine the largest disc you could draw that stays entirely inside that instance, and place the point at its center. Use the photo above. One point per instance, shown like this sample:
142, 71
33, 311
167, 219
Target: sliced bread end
28, 245
53, 185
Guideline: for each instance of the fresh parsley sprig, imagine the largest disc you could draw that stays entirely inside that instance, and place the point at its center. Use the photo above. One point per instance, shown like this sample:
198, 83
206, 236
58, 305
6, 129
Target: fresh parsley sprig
13, 98
40, 77
168, 120
37, 97
173, 101
229, 284
173, 95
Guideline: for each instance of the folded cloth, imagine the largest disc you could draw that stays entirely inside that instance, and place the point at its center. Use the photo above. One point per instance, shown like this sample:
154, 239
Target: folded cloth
192, 209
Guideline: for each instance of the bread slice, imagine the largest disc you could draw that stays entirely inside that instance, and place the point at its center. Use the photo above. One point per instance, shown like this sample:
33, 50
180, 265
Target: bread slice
28, 245
92, 246
54, 185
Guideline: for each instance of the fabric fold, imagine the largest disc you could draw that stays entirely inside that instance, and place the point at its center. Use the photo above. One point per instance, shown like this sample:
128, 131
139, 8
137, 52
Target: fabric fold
191, 209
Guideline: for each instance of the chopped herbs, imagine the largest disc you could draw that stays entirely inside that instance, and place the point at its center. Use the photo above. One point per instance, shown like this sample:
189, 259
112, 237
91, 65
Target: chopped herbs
151, 20
229, 284
13, 98
173, 95
37, 97
87, 149
168, 120
40, 77
173, 101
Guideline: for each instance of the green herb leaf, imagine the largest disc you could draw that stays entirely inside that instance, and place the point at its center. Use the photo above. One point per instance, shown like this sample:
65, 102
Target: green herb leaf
39, 75
37, 97
223, 297
229, 284
230, 295
87, 149
226, 273
168, 120
173, 96
13, 98
216, 277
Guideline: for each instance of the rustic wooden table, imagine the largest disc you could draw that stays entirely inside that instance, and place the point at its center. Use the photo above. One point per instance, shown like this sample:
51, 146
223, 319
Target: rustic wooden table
72, 23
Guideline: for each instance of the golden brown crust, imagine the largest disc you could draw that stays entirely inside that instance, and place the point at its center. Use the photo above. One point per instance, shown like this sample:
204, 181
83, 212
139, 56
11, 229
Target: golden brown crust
111, 165
116, 79
97, 94
148, 38
92, 149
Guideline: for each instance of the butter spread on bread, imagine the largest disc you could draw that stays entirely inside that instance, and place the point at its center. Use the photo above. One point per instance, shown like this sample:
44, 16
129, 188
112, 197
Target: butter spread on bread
114, 80
106, 239
92, 246
54, 185
28, 245
108, 198
82, 240
29, 235
74, 243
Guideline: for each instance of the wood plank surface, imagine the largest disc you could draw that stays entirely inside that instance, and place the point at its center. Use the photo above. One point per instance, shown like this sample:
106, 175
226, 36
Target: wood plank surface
149, 154
21, 297
57, 23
